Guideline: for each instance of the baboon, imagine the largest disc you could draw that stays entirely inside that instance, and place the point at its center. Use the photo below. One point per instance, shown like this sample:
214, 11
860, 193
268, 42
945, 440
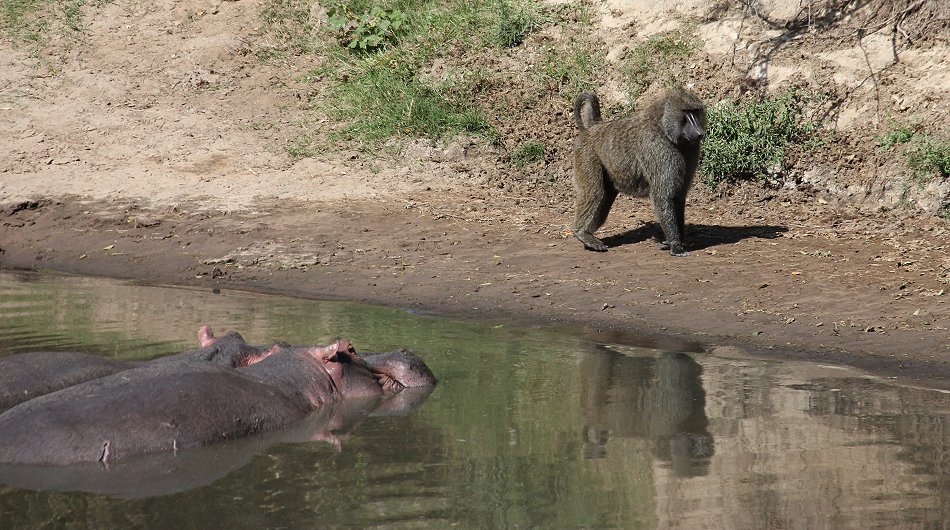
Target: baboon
653, 152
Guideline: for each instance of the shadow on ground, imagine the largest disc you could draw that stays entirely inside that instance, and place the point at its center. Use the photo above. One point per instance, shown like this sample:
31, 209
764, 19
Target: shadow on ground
698, 237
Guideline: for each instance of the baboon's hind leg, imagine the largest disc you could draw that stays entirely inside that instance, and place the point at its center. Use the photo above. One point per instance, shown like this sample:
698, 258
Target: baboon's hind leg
595, 196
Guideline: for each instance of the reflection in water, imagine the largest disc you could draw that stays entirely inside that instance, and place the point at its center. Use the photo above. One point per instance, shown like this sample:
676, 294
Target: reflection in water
658, 398
527, 428
784, 463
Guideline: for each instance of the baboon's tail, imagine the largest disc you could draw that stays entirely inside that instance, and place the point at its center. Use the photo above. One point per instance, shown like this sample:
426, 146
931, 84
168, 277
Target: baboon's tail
586, 109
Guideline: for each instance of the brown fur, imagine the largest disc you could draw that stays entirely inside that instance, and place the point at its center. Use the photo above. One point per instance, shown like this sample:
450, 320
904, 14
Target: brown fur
652, 153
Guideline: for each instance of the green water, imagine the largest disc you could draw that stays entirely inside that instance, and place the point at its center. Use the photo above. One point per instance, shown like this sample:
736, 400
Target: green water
527, 428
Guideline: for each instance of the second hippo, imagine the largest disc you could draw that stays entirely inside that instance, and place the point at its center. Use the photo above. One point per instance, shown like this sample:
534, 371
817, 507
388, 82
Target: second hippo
28, 375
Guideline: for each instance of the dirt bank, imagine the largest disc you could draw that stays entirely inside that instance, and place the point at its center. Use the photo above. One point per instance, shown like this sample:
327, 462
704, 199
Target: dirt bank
854, 293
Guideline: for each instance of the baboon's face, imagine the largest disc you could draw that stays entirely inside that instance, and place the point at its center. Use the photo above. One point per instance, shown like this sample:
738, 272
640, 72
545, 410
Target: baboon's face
684, 118
693, 126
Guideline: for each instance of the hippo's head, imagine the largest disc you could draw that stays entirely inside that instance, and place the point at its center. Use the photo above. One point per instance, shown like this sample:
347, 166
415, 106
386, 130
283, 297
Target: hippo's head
402, 368
362, 374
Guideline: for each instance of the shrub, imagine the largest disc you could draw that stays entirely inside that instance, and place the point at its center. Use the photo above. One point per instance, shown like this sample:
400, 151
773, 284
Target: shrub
749, 140
365, 31
894, 136
930, 155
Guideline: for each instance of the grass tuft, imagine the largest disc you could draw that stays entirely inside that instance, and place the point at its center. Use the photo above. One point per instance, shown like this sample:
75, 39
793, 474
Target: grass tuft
384, 102
379, 59
926, 156
572, 68
527, 153
658, 60
515, 21
290, 28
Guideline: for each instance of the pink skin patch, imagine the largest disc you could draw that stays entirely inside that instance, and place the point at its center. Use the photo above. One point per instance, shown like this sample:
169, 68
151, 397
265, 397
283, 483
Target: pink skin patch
205, 336
256, 358
329, 355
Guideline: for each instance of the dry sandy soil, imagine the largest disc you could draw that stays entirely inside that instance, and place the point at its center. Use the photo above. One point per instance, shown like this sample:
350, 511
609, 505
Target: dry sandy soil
143, 156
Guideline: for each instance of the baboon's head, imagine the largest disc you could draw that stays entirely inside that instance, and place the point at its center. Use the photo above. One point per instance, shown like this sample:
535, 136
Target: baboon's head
684, 118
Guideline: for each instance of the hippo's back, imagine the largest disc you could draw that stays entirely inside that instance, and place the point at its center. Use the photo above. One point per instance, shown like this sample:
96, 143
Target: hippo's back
148, 409
28, 375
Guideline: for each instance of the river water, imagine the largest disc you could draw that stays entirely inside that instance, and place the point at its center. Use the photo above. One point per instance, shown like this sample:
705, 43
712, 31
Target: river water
527, 428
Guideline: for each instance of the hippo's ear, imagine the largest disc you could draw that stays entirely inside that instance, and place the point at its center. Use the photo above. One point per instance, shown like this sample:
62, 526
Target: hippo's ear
345, 352
345, 346
332, 352
205, 336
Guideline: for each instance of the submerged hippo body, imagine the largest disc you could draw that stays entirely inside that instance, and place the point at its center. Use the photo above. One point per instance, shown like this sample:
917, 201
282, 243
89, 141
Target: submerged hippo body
29, 375
177, 402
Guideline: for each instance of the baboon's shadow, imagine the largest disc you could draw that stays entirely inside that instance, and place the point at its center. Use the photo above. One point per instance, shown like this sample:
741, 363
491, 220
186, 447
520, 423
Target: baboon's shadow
698, 236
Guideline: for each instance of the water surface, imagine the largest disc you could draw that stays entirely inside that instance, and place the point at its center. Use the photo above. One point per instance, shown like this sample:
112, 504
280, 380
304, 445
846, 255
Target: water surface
527, 428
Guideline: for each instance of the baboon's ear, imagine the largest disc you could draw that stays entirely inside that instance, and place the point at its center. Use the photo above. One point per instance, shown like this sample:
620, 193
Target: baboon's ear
671, 121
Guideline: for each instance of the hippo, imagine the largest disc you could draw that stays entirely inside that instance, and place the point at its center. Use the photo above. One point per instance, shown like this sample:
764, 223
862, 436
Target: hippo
170, 473
196, 399
25, 376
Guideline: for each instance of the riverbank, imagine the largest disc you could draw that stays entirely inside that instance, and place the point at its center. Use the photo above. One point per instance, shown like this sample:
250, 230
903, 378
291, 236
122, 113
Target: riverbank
845, 291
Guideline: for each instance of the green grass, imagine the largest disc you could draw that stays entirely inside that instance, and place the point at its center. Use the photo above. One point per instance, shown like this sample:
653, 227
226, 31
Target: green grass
395, 102
430, 77
382, 77
926, 156
35, 22
381, 91
514, 21
289, 28
750, 139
